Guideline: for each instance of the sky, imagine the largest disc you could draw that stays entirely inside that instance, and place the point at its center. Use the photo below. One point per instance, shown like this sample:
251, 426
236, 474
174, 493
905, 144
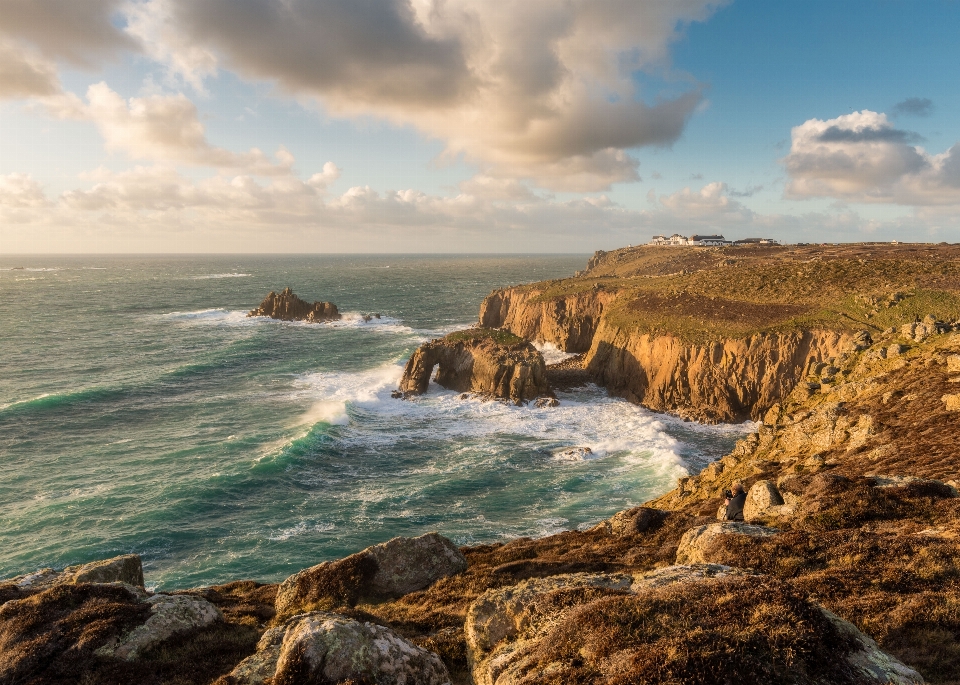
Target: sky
328, 126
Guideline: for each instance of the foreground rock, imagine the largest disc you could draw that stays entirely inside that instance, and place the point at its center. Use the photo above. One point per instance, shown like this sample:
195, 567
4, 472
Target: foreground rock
698, 544
320, 647
127, 568
481, 361
107, 633
388, 570
288, 307
615, 628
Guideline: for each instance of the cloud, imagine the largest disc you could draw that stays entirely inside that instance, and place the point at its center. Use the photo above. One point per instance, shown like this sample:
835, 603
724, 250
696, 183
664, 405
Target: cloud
162, 128
157, 208
541, 91
20, 191
749, 192
861, 157
918, 107
82, 33
25, 74
710, 203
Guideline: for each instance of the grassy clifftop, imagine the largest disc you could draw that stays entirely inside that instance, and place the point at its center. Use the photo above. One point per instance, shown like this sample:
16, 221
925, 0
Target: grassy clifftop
702, 294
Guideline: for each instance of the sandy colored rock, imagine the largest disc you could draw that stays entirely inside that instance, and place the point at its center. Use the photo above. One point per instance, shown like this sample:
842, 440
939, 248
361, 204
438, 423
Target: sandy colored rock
762, 497
695, 543
869, 662
952, 402
473, 361
953, 363
391, 569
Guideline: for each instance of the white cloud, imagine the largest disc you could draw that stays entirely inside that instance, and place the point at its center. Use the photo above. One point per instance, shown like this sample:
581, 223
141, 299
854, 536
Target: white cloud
163, 128
541, 91
19, 191
710, 203
862, 157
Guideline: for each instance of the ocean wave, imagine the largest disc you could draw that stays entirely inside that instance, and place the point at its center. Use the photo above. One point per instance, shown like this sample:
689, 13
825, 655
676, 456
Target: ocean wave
361, 403
54, 400
226, 317
212, 276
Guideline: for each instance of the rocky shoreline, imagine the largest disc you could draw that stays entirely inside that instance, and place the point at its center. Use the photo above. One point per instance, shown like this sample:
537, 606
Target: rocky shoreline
845, 570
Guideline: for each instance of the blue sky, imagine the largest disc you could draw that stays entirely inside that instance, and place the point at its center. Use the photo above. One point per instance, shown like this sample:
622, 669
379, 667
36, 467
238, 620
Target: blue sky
415, 125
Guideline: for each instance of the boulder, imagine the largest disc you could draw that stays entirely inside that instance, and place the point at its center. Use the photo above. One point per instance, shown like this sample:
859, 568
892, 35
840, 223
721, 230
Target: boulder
388, 570
696, 543
634, 521
288, 307
762, 498
952, 402
868, 661
953, 363
480, 361
126, 568
320, 647
169, 615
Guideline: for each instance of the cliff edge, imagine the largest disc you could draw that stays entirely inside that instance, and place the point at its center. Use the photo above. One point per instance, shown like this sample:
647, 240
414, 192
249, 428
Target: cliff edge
723, 334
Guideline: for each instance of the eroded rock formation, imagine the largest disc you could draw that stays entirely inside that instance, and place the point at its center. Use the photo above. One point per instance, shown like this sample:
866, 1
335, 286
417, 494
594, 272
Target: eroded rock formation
288, 307
475, 361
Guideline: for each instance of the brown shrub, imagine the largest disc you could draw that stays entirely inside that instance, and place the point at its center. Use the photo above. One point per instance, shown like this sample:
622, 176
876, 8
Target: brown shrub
732, 630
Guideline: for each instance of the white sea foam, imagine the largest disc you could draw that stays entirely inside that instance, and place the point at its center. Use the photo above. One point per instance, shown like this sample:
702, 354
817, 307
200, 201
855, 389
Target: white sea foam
588, 418
551, 353
206, 277
299, 529
215, 317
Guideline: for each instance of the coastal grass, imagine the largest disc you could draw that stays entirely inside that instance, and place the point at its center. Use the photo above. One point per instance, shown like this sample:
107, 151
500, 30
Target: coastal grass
701, 294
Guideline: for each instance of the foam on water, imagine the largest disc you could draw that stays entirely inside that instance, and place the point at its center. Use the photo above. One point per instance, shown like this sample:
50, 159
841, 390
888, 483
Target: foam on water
206, 277
551, 353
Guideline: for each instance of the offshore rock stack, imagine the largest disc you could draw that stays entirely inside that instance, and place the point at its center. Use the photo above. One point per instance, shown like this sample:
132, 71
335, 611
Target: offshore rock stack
480, 361
286, 306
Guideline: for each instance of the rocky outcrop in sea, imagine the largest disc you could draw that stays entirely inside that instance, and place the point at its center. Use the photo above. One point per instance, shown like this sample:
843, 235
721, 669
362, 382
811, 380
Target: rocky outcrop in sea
481, 361
286, 306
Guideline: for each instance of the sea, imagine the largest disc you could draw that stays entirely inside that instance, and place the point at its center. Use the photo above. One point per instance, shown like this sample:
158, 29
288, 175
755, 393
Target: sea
142, 411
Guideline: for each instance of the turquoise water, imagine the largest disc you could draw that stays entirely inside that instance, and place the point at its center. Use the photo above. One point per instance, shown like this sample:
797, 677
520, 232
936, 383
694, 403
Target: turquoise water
142, 411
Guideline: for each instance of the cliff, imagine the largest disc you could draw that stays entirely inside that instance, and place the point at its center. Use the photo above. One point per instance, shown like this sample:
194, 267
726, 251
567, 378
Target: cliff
723, 334
481, 361
286, 306
845, 572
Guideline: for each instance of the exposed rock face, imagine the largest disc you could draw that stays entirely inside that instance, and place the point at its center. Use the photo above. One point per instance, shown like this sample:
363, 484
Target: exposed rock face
481, 365
601, 628
123, 569
169, 615
392, 569
695, 545
288, 307
320, 647
568, 322
728, 380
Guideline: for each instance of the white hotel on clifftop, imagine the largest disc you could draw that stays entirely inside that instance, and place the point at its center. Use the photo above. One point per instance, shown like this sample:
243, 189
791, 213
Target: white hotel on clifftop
707, 241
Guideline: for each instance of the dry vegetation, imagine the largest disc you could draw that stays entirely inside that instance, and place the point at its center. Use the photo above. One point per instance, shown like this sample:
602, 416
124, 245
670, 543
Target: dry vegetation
699, 294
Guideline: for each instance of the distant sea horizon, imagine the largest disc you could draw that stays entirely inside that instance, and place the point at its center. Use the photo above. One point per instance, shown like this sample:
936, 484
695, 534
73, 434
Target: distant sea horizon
142, 411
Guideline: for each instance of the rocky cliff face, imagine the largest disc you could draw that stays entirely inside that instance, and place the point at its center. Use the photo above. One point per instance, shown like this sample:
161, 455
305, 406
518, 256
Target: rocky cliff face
569, 322
724, 381
474, 361
727, 380
286, 306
